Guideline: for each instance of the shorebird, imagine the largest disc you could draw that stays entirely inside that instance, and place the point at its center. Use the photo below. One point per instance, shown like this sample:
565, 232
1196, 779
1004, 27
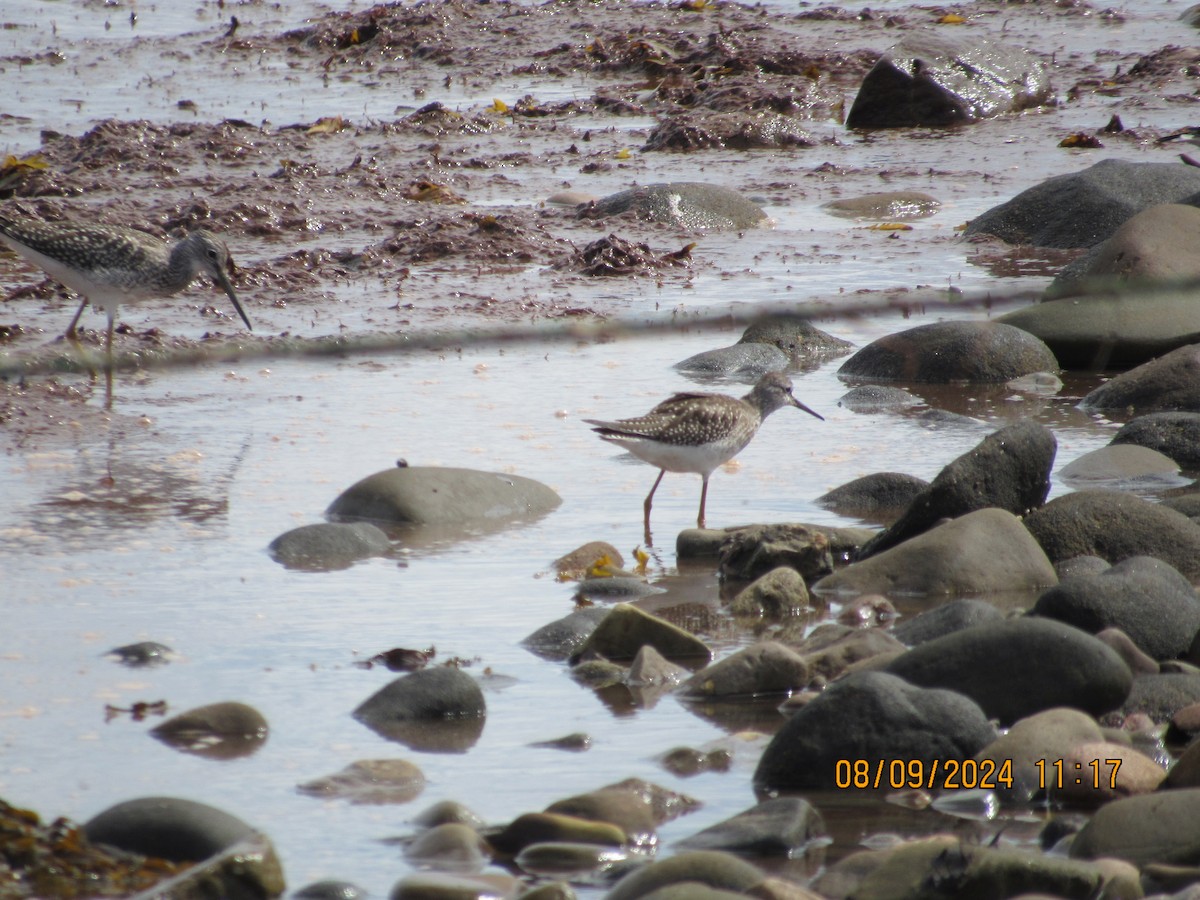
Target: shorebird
694, 432
108, 265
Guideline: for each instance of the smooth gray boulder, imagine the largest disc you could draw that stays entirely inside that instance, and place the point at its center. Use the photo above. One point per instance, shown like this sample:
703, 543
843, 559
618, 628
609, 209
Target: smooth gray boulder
1115, 526
685, 204
1122, 467
965, 612
1018, 667
944, 352
168, 828
1009, 470
1144, 597
776, 827
981, 552
761, 669
932, 79
1167, 383
1081, 209
748, 361
869, 716
1113, 327
1151, 828
329, 545
1160, 243
879, 497
433, 495
1174, 434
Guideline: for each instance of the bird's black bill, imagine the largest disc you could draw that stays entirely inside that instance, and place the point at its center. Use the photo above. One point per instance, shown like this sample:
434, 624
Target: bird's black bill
800, 405
227, 286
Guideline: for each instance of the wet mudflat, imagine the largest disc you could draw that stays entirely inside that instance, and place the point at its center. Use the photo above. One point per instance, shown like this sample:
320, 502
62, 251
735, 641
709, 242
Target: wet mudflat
355, 209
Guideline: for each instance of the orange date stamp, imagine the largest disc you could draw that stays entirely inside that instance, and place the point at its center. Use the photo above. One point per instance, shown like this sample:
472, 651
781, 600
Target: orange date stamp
937, 774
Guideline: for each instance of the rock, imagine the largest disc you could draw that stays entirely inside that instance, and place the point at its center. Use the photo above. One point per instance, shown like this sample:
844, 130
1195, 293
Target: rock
1161, 696
446, 811
452, 847
885, 206
330, 890
775, 827
945, 352
329, 545
143, 653
1144, 597
433, 495
931, 79
650, 669
986, 871
980, 552
746, 361
1008, 470
1080, 565
636, 807
706, 868
964, 612
781, 592
546, 827
796, 336
1082, 209
1113, 327
1115, 526
626, 629
562, 859
870, 398
1157, 244
167, 827
218, 731
1151, 828
685, 762
880, 497
831, 649
1185, 773
1122, 467
576, 564
684, 204
1169, 382
1018, 667
1032, 746
1139, 662
559, 639
700, 543
370, 781
749, 130
763, 668
443, 886
249, 868
869, 716
748, 553
1174, 434
441, 707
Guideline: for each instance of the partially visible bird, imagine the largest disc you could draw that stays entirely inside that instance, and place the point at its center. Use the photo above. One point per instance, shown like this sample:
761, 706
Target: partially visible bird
108, 265
1189, 135
696, 432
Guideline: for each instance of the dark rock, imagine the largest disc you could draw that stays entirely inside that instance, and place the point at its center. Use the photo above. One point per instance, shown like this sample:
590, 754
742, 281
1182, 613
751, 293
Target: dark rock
1144, 597
871, 716
370, 781
1175, 434
433, 495
880, 497
706, 868
748, 553
249, 869
781, 592
1009, 470
748, 361
830, 650
796, 336
562, 637
1115, 526
475, 886
1152, 828
981, 552
945, 352
626, 629
1113, 327
1084, 208
1080, 565
1170, 382
885, 206
440, 708
547, 827
447, 811
685, 204
561, 859
1017, 667
775, 827
764, 668
143, 653
218, 731
1161, 696
650, 668
450, 847
869, 398
636, 807
329, 545
751, 130
931, 79
167, 827
330, 890
1122, 467
965, 612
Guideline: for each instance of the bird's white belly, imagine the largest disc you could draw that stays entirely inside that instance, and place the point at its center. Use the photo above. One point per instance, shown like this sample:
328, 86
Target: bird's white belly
702, 459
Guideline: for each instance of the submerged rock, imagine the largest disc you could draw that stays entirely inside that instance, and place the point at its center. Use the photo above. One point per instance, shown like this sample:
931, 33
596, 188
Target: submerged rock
685, 204
1167, 383
329, 545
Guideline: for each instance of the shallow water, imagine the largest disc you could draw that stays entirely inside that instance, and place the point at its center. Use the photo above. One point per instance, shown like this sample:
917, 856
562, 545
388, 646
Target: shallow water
208, 464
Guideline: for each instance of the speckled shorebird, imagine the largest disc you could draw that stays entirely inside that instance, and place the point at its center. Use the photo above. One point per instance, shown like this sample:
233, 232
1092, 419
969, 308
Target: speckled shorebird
109, 265
693, 432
